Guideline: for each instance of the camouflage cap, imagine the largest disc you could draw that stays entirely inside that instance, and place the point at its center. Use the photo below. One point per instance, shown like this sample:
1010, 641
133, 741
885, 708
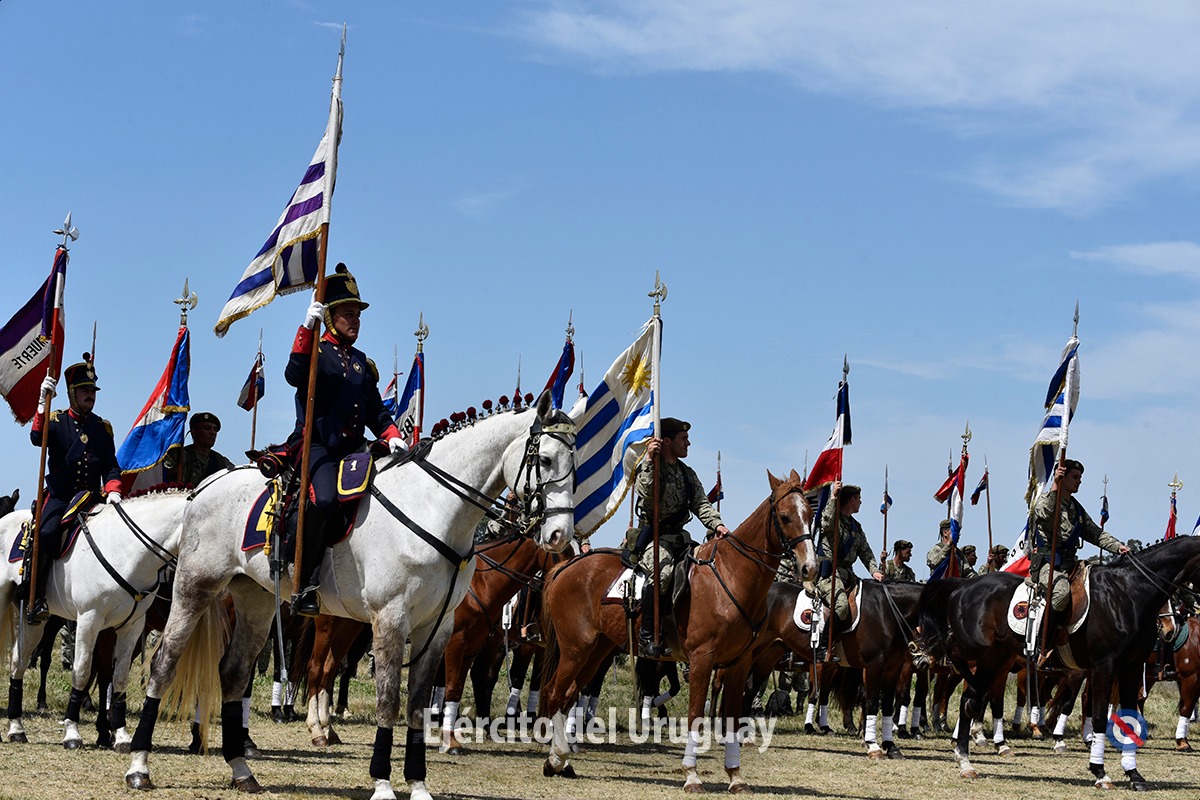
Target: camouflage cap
1000, 550
968, 550
902, 544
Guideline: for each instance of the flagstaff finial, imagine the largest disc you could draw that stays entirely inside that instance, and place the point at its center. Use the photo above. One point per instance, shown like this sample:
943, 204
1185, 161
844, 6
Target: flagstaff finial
67, 231
966, 436
1176, 484
1075, 330
570, 326
845, 366
186, 303
422, 332
659, 294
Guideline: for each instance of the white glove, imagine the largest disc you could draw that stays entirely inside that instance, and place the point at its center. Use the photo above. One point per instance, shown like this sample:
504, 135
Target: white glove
397, 445
48, 386
113, 498
314, 315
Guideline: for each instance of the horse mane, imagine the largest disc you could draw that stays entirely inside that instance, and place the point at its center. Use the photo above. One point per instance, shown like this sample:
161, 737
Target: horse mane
933, 622
158, 490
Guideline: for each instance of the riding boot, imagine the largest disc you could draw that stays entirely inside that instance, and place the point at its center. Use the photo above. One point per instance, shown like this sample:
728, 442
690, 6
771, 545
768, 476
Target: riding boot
39, 610
307, 603
822, 652
647, 647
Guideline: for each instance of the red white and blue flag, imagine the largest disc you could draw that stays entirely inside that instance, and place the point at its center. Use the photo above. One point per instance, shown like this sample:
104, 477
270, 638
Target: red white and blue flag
1170, 534
410, 405
717, 493
952, 491
255, 386
1104, 510
160, 427
25, 343
562, 373
828, 466
981, 488
288, 261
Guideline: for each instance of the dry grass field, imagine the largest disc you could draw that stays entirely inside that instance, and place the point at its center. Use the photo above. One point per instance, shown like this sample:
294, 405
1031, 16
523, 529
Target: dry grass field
796, 765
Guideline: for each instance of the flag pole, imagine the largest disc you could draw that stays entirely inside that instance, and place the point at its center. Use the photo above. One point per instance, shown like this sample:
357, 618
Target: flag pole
422, 333
720, 489
186, 302
659, 294
1062, 457
1172, 520
837, 512
334, 128
987, 497
68, 232
883, 557
258, 368
966, 437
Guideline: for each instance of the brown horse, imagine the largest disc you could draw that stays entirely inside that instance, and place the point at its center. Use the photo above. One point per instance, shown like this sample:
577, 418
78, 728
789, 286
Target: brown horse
1182, 652
331, 640
502, 568
718, 620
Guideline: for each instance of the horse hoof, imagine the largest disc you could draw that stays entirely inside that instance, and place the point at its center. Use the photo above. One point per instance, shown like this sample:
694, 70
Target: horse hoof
548, 770
19, 738
455, 751
1036, 733
140, 781
893, 752
252, 751
1136, 781
42, 708
72, 744
739, 788
248, 785
1182, 746
568, 772
1060, 746
875, 755
969, 773
693, 788
1004, 750
122, 747
826, 730
320, 741
334, 738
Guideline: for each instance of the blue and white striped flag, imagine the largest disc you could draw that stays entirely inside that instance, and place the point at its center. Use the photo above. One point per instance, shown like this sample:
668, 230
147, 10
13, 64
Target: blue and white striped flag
288, 261
614, 425
1061, 399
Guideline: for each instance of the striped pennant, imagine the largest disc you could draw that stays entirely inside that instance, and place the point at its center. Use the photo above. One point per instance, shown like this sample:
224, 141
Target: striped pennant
1061, 399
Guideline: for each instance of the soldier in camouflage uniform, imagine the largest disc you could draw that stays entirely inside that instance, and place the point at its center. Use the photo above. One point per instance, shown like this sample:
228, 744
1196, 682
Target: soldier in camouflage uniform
897, 568
852, 546
996, 558
199, 458
937, 553
1074, 527
969, 558
680, 494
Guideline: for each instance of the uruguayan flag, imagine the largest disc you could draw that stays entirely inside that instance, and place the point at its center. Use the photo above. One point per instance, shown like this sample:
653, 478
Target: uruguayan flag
1061, 399
159, 427
408, 407
614, 424
288, 261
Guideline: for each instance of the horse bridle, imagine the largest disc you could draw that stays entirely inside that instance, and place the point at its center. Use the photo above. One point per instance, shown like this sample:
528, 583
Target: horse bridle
533, 507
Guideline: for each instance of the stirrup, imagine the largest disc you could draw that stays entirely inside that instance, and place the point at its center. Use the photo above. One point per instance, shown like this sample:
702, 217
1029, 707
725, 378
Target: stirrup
38, 613
307, 603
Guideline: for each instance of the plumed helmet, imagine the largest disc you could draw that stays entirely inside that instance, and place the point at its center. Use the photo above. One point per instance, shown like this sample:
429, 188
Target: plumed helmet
340, 287
80, 375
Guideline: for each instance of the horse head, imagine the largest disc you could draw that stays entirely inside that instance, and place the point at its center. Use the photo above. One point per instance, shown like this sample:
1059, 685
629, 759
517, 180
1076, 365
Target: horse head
791, 519
540, 469
9, 502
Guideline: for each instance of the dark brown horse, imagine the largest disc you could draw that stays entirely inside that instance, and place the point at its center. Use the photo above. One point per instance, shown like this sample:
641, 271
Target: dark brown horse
968, 622
718, 620
502, 568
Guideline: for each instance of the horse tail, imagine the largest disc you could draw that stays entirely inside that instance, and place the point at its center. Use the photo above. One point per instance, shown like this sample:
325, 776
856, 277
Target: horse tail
846, 688
302, 651
552, 652
196, 688
933, 620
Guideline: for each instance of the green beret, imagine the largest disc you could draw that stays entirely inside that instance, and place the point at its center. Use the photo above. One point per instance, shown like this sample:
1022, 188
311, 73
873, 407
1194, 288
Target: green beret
672, 426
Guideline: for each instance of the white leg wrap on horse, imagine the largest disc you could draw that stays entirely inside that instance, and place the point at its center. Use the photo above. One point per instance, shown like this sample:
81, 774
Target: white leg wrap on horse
1097, 756
646, 703
449, 716
290, 695
916, 717
1018, 716
662, 699
1129, 757
276, 693
823, 716
1181, 728
139, 763
870, 729
514, 702
196, 719
690, 749
1035, 715
998, 730
733, 751
885, 730
439, 697
1060, 727
246, 713
571, 725
903, 716
241, 770
383, 790
531, 703
417, 791
1087, 729
811, 714
71, 731
593, 704
954, 736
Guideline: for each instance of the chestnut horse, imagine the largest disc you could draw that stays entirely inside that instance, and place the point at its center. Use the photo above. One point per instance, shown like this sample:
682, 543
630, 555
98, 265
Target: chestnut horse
718, 620
878, 645
968, 621
502, 568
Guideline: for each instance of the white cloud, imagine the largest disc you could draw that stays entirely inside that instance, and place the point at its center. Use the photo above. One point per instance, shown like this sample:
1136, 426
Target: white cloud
1156, 258
1101, 95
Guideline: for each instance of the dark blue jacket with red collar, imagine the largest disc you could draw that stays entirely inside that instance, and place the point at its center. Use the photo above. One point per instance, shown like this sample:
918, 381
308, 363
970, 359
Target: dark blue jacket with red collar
346, 399
81, 454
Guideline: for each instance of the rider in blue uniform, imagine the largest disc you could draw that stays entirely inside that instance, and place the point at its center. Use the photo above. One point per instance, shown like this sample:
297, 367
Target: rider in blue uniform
81, 457
346, 401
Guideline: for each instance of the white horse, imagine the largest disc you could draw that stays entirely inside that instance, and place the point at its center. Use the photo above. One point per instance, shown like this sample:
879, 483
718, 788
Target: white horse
404, 568
134, 541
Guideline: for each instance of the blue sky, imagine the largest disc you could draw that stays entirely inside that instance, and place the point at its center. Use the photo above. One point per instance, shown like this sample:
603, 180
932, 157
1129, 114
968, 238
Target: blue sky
925, 189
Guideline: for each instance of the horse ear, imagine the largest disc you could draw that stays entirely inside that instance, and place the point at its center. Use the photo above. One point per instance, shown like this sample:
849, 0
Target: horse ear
16, 495
771, 479
794, 478
544, 404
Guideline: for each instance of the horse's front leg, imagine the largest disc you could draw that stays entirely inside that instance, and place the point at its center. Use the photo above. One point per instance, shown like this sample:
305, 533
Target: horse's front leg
699, 676
1128, 684
26, 636
122, 661
731, 711
962, 742
86, 634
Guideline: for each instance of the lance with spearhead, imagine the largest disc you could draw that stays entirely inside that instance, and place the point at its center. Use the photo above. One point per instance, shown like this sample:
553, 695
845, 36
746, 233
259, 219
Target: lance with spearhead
659, 294
837, 519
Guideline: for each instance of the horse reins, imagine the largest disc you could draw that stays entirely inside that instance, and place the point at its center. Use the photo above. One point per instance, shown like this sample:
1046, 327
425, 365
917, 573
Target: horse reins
155, 549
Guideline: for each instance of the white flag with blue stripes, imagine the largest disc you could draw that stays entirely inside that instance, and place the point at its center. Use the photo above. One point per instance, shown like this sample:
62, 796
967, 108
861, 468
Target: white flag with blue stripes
614, 424
1061, 399
288, 261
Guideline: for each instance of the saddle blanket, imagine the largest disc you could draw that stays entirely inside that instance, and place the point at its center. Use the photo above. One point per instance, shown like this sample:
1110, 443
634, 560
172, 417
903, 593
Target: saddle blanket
264, 512
802, 613
16, 553
1018, 606
616, 592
